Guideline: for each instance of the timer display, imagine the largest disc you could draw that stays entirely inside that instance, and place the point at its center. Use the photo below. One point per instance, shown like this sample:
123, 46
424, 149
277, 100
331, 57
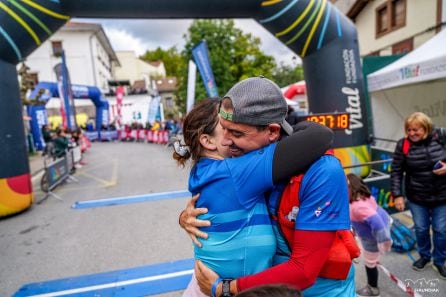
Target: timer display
338, 120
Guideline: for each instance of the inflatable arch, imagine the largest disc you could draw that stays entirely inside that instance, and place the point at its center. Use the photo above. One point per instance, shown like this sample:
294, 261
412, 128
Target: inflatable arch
78, 92
314, 29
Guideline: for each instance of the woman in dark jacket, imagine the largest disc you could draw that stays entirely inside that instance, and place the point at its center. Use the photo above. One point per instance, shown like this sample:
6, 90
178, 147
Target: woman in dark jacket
421, 156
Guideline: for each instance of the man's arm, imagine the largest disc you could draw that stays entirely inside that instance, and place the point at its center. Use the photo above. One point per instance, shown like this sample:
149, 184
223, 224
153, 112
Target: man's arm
295, 154
189, 222
310, 250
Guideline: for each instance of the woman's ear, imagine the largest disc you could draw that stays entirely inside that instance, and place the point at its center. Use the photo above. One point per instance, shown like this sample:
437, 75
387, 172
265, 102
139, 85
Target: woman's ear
207, 142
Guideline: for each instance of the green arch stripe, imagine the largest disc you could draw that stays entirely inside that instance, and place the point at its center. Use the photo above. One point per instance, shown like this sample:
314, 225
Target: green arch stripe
31, 16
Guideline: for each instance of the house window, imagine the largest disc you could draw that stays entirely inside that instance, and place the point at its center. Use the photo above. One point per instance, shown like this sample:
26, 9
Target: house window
57, 48
390, 16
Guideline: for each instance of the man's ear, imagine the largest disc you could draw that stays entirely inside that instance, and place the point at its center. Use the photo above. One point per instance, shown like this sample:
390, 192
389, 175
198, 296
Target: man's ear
207, 142
273, 132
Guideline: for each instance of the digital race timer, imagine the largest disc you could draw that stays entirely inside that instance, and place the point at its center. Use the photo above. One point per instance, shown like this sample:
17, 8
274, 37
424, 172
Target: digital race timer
337, 120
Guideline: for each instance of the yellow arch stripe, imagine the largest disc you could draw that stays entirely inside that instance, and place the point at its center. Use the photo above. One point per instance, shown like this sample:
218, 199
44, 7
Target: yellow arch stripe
270, 2
297, 22
31, 16
307, 23
313, 29
21, 22
47, 11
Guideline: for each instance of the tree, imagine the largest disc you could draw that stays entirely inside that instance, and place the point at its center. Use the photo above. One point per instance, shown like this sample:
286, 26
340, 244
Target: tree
27, 83
171, 58
233, 55
285, 75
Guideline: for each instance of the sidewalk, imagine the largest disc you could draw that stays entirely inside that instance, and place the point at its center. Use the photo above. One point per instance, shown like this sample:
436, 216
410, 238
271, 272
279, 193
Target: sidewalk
35, 163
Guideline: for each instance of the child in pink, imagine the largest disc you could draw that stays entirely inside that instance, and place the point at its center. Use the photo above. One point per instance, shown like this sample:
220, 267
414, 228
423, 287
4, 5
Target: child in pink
371, 224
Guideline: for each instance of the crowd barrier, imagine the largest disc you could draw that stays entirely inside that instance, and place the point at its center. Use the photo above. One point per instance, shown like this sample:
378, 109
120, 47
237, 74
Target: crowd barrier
57, 170
139, 135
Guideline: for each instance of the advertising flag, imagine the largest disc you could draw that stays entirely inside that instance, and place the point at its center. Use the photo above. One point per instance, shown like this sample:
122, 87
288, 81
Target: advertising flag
201, 58
191, 78
119, 97
67, 108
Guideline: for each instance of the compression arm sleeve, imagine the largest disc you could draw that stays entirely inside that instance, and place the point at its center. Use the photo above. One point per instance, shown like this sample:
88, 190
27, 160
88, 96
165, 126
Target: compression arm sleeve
295, 153
309, 253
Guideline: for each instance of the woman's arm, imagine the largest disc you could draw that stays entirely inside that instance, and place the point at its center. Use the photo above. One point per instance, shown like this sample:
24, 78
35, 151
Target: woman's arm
295, 153
309, 253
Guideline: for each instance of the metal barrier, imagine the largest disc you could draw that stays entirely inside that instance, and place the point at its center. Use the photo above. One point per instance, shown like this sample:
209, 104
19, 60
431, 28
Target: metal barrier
57, 171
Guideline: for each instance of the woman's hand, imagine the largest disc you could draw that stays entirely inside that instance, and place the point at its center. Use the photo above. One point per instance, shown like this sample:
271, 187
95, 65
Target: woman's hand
384, 247
206, 278
441, 170
189, 222
399, 203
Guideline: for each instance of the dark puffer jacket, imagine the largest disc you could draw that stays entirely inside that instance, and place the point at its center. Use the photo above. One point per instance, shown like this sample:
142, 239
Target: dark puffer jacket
422, 186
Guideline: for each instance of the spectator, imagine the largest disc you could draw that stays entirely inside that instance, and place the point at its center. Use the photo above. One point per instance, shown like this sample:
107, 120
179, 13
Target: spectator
48, 140
415, 159
60, 143
371, 224
291, 116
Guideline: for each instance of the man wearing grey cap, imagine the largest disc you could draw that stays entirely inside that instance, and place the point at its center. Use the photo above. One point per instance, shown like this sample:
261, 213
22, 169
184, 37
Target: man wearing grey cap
252, 115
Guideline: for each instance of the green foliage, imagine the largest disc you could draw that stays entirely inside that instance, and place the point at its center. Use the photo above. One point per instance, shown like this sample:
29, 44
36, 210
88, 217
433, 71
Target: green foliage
285, 75
27, 83
233, 55
171, 58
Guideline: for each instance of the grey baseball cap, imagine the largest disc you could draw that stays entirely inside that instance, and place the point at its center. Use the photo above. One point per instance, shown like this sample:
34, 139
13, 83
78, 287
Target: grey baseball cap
257, 101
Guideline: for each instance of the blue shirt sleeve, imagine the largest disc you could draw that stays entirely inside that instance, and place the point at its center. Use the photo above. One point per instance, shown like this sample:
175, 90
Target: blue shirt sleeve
323, 196
252, 174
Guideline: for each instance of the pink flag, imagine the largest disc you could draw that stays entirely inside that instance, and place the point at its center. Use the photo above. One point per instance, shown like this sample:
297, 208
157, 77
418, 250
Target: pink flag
119, 97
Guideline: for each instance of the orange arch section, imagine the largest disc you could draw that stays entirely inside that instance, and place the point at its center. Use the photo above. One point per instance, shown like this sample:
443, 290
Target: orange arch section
15, 194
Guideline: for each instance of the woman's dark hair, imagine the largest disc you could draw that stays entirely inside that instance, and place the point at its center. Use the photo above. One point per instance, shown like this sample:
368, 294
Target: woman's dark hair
202, 119
271, 291
357, 188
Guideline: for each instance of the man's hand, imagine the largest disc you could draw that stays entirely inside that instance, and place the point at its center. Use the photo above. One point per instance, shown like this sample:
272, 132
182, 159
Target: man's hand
206, 278
399, 203
189, 222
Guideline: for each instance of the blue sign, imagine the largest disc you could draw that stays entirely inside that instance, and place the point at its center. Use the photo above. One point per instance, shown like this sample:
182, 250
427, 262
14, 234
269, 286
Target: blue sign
201, 58
39, 118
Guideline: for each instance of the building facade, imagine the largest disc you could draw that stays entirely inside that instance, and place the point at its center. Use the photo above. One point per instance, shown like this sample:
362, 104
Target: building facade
389, 27
89, 55
137, 72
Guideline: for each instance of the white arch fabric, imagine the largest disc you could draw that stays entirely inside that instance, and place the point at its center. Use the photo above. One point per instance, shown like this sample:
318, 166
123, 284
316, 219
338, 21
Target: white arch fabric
428, 62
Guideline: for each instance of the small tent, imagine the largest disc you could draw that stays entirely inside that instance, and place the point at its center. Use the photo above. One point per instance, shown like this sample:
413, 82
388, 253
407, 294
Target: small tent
415, 82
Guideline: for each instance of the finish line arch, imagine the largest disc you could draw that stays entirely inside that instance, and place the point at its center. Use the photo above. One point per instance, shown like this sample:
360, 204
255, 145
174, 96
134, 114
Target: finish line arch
314, 29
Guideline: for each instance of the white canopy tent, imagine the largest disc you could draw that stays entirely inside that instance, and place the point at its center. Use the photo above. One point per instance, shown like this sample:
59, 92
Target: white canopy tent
416, 82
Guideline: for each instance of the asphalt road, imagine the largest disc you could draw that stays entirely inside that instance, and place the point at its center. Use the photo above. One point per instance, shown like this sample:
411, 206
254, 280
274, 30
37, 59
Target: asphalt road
52, 241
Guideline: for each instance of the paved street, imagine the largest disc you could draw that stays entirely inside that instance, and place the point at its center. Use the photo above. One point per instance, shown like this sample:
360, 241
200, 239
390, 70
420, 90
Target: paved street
52, 241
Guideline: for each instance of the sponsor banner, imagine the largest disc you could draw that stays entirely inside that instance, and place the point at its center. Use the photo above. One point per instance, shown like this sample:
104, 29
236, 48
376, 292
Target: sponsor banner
338, 68
409, 74
39, 118
154, 110
119, 98
201, 58
67, 109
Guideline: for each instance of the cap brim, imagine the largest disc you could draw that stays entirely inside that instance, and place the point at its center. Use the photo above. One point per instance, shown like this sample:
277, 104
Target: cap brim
287, 127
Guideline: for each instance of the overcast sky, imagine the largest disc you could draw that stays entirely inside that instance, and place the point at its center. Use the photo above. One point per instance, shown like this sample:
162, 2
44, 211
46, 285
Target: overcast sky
142, 35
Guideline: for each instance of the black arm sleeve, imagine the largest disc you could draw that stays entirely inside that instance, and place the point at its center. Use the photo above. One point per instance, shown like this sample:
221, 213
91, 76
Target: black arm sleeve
295, 153
397, 173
